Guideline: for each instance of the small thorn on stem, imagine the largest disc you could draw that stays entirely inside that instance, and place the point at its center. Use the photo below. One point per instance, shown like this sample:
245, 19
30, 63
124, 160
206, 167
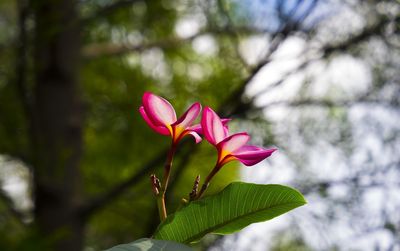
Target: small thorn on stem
155, 184
193, 193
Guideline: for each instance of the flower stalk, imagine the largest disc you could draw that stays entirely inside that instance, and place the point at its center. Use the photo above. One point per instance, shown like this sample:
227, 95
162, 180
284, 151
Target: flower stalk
159, 189
167, 167
207, 181
162, 210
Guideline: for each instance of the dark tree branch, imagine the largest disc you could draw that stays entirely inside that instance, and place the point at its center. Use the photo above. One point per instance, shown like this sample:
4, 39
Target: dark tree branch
306, 13
21, 48
356, 179
287, 28
282, 80
363, 99
21, 72
110, 49
326, 51
368, 32
100, 201
235, 99
288, 21
95, 50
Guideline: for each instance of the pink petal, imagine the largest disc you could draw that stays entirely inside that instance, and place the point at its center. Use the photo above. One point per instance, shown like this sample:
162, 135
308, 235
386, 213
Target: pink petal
226, 131
159, 129
225, 122
196, 137
212, 126
159, 110
197, 128
234, 142
189, 116
251, 155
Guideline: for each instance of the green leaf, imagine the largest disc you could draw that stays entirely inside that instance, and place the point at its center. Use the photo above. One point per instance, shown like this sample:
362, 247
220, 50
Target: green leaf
237, 206
151, 245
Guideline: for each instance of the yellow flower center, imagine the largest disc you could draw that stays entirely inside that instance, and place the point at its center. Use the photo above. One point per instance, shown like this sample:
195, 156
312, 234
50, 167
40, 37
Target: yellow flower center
177, 132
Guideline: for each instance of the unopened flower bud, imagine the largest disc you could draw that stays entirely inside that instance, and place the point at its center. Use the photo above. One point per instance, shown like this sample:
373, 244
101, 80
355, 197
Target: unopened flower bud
195, 189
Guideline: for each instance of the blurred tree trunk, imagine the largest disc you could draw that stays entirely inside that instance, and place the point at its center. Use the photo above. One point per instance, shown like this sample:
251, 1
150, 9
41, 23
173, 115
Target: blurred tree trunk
57, 124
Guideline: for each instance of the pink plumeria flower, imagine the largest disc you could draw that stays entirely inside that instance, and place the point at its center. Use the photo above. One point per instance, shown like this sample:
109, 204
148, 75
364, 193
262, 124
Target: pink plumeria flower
161, 117
231, 147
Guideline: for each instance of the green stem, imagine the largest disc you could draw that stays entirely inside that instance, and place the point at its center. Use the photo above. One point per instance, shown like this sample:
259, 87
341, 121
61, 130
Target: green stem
162, 209
167, 167
207, 181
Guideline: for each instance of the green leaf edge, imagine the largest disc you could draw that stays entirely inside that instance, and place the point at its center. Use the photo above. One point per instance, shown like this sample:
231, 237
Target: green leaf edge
154, 245
215, 230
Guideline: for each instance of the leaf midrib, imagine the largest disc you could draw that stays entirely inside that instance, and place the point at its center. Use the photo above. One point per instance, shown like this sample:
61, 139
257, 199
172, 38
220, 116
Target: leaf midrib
210, 230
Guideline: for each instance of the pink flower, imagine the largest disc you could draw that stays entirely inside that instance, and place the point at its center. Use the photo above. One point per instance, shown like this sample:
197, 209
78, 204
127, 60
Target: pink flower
231, 147
161, 117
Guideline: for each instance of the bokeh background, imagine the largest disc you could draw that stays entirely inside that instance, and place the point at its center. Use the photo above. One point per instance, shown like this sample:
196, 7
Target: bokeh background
318, 79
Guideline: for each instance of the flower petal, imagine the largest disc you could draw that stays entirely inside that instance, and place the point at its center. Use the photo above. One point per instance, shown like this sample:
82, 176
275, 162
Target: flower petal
189, 116
159, 129
251, 155
158, 109
212, 126
197, 128
234, 142
225, 122
196, 136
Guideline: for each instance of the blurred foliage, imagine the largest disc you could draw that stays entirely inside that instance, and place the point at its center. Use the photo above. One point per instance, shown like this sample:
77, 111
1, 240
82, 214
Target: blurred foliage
117, 142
